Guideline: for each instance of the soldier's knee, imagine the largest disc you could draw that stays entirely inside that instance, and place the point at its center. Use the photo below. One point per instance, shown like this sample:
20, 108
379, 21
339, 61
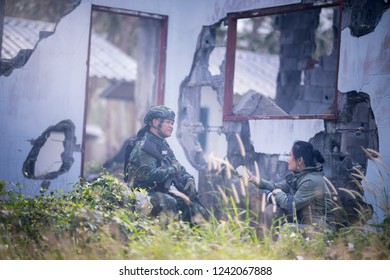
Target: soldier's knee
169, 202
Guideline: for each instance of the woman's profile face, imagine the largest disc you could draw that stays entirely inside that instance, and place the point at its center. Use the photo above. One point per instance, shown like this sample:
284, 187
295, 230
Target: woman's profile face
292, 163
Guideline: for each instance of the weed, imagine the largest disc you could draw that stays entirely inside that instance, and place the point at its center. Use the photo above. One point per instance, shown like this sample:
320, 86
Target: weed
98, 220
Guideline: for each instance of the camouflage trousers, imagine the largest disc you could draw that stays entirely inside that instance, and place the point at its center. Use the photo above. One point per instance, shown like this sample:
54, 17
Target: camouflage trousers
162, 203
172, 205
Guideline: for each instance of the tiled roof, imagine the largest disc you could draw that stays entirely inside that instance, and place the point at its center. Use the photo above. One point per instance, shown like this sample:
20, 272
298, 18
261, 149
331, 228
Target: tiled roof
21, 34
107, 61
252, 71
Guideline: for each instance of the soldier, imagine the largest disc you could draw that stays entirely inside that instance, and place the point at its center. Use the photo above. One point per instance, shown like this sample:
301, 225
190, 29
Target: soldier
152, 166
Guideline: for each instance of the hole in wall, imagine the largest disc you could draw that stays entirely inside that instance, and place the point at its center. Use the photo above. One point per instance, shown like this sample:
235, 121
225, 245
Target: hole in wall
23, 23
52, 152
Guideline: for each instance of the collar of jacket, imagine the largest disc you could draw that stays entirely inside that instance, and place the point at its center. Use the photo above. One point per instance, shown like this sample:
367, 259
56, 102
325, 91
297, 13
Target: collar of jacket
154, 139
294, 176
317, 168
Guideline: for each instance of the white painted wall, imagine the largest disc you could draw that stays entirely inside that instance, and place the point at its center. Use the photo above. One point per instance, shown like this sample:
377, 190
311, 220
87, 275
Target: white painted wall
277, 137
48, 89
51, 86
365, 66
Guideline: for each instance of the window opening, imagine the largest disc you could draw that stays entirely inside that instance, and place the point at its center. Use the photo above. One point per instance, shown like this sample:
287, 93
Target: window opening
292, 54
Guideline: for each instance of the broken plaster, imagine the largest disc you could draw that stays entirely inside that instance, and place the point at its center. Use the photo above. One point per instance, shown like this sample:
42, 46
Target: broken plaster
8, 65
30, 165
363, 16
336, 142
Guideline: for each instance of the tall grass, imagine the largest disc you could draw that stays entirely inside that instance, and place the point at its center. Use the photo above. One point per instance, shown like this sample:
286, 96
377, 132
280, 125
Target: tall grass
377, 188
100, 220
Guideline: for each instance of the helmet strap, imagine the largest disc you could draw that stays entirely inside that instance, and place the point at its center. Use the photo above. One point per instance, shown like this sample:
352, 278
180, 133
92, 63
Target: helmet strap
158, 127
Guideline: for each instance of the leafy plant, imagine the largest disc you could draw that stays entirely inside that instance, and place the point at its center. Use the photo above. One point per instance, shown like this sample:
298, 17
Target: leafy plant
99, 220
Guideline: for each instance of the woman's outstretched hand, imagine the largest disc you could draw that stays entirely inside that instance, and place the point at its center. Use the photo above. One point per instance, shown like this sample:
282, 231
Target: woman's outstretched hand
252, 178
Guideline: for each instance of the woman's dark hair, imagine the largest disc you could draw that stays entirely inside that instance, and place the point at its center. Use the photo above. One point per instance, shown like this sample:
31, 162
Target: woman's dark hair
306, 150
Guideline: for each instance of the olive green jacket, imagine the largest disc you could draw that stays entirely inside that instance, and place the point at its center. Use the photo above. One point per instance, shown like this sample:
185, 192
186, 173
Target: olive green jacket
304, 194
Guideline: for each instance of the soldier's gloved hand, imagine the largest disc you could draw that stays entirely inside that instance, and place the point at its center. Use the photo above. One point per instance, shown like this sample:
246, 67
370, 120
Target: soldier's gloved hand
176, 165
190, 188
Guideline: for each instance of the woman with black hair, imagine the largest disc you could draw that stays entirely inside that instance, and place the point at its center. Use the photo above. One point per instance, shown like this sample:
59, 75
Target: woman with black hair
303, 196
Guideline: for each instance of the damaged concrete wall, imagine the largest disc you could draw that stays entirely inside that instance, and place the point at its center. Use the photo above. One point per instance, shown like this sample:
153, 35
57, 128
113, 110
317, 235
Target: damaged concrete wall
365, 68
340, 140
39, 23
50, 88
47, 90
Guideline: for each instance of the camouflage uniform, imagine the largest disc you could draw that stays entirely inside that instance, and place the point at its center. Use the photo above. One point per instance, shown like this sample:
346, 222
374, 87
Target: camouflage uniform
147, 172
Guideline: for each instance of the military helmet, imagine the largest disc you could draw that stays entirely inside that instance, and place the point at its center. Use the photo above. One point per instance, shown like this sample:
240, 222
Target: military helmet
159, 111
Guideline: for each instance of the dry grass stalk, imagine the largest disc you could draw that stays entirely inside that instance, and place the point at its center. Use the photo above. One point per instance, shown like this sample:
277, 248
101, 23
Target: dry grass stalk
235, 194
241, 145
223, 194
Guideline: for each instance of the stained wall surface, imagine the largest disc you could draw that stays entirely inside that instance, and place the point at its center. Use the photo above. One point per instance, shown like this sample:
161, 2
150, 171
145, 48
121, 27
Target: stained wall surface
365, 66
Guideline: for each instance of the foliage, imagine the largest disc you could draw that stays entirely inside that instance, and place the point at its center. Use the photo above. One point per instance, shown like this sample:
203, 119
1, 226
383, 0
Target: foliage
98, 220
44, 10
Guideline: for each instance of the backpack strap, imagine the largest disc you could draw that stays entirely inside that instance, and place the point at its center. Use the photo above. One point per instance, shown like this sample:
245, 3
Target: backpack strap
129, 148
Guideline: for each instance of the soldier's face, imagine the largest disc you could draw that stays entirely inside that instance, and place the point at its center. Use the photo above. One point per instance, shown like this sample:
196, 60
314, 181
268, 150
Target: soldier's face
166, 127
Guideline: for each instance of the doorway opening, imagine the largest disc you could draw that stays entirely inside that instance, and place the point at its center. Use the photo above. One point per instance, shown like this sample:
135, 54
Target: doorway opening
125, 78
